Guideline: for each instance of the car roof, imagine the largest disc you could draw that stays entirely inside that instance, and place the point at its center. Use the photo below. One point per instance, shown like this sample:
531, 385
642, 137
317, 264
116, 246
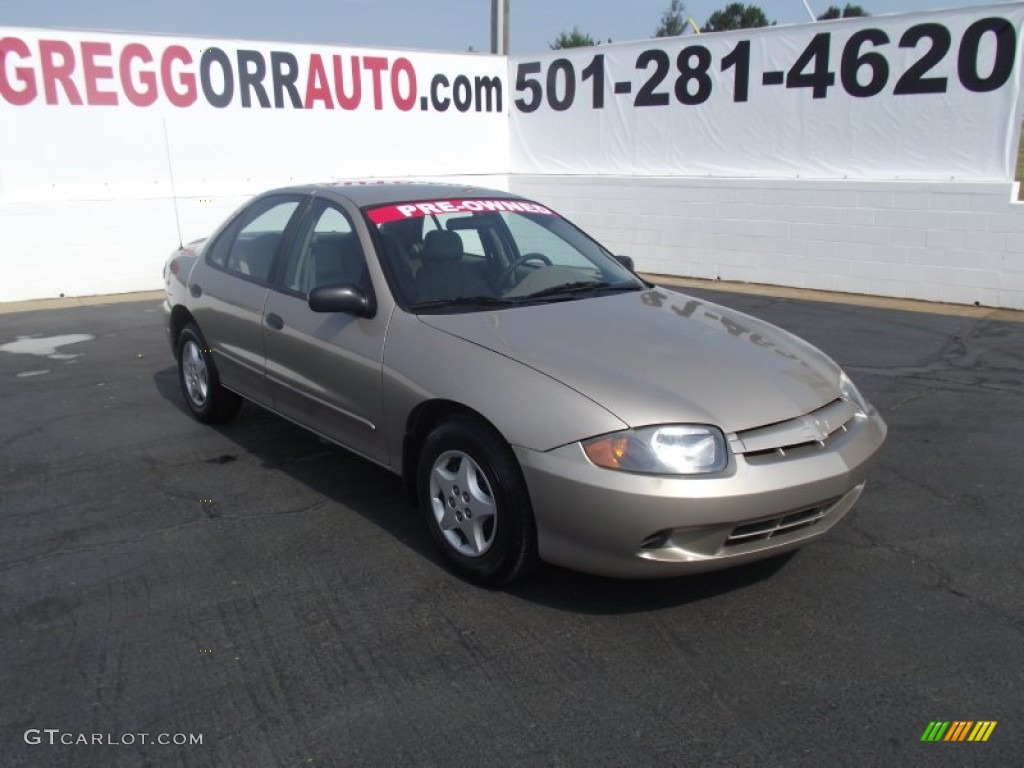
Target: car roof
370, 193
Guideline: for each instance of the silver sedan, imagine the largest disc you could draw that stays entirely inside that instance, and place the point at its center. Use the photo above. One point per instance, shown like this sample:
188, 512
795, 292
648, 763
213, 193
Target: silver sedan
539, 399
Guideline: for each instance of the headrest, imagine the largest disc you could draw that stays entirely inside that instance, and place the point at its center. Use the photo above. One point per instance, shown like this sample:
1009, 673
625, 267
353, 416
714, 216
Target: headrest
442, 245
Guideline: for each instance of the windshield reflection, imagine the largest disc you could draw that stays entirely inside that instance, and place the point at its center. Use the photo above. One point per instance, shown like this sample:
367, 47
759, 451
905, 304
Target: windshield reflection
471, 254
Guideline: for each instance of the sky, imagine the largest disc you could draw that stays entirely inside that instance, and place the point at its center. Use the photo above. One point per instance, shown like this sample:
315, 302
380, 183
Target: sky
445, 25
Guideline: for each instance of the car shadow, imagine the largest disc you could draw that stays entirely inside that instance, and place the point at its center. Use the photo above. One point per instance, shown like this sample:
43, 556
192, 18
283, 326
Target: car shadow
379, 497
584, 593
329, 470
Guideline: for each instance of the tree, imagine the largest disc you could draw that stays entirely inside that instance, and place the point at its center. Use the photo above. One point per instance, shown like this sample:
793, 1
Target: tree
736, 16
673, 23
574, 39
849, 12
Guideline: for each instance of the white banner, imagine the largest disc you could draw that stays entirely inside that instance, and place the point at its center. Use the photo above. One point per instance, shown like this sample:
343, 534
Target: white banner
916, 96
94, 115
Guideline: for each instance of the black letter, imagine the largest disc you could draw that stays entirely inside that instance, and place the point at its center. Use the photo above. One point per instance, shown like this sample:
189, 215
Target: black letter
439, 103
488, 89
463, 93
252, 79
211, 56
286, 71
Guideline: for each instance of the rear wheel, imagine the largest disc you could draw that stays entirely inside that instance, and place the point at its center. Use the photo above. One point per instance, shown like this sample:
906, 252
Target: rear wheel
200, 384
472, 494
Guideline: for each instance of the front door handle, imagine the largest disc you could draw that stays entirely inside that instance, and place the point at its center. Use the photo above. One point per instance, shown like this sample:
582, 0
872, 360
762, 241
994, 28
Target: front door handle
274, 322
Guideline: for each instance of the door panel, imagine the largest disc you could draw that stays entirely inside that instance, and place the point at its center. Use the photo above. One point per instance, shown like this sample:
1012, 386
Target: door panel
228, 289
324, 369
228, 312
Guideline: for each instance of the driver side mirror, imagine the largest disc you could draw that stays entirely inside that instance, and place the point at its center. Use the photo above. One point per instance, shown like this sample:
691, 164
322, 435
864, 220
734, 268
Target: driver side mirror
346, 298
627, 262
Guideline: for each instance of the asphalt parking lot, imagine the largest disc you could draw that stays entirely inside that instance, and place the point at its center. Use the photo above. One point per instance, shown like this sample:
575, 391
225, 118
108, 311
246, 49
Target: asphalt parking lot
276, 596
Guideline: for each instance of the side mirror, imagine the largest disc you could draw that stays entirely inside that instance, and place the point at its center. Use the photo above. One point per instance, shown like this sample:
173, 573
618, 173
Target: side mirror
346, 298
627, 262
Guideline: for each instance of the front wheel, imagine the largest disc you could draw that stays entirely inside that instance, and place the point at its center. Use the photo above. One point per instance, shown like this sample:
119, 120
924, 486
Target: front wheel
474, 499
197, 374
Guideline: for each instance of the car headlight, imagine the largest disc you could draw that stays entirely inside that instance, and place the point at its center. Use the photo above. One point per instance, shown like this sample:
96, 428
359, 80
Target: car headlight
673, 449
849, 391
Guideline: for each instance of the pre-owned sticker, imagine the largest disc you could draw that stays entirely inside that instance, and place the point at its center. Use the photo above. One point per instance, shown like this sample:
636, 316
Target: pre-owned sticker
388, 213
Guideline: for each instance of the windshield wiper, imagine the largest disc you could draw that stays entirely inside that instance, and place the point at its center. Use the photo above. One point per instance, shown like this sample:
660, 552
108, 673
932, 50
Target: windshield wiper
465, 301
582, 286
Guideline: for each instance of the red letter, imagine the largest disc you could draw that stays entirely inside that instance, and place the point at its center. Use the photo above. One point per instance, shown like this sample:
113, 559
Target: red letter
377, 65
316, 84
25, 75
93, 72
183, 98
403, 65
54, 72
148, 95
345, 101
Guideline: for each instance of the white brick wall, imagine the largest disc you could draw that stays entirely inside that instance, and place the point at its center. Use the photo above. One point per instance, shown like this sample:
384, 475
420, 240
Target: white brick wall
936, 241
91, 247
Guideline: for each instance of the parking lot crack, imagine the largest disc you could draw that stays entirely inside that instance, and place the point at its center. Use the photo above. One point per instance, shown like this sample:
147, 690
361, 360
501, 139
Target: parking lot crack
943, 581
982, 356
909, 398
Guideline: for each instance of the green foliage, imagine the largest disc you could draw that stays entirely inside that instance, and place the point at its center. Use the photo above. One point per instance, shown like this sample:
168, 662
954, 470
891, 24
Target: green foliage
574, 39
849, 12
673, 22
736, 16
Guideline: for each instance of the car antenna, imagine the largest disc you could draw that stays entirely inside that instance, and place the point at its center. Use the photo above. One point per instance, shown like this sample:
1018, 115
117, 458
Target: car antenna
174, 194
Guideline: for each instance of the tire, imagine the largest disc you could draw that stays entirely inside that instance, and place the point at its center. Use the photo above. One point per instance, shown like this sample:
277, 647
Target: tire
209, 402
466, 465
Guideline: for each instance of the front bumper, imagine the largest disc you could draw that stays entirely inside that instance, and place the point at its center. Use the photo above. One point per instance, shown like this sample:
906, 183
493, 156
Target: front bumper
642, 526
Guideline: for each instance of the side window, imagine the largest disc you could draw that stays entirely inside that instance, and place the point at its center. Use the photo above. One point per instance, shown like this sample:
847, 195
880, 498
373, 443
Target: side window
326, 252
217, 253
248, 246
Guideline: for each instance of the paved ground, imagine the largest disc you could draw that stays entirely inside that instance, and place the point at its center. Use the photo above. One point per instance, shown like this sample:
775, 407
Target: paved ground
301, 617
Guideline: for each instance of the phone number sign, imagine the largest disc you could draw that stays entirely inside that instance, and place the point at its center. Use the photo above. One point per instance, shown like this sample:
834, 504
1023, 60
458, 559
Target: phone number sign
910, 96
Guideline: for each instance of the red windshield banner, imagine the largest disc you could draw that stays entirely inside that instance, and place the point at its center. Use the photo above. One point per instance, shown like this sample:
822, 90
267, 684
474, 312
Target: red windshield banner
388, 213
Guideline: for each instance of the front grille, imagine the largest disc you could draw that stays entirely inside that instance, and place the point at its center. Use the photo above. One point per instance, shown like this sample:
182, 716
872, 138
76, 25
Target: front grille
815, 430
762, 530
751, 536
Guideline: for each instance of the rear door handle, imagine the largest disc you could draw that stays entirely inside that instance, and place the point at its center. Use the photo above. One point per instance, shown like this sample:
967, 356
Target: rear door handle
274, 322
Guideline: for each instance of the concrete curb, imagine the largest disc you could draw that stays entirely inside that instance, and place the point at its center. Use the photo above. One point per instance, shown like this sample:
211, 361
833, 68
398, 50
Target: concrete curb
832, 297
78, 301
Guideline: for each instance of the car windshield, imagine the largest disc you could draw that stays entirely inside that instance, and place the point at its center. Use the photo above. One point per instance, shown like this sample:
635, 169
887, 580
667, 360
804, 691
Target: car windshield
462, 255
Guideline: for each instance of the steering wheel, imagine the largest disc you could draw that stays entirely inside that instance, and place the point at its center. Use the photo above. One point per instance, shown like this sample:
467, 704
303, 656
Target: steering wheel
508, 273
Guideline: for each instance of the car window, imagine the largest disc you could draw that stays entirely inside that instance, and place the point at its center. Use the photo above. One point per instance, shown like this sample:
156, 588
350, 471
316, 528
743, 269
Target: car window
456, 252
327, 252
532, 237
472, 245
217, 252
248, 246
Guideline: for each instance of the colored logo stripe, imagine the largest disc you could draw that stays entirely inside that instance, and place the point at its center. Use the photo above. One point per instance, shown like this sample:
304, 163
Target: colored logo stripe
958, 730
982, 730
935, 730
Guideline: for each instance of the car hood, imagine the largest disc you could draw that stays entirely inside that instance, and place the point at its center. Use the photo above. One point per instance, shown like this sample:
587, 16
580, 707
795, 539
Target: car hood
657, 356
